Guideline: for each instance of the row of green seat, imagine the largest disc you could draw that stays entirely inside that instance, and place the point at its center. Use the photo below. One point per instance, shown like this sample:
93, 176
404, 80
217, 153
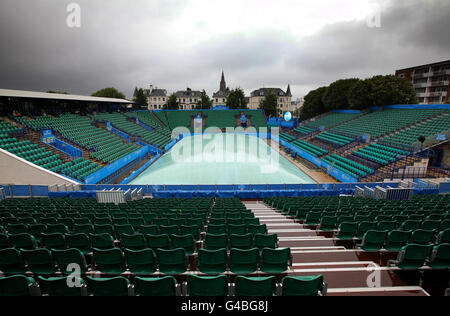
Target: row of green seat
331, 119
78, 130
376, 240
114, 261
310, 148
335, 139
201, 286
287, 137
410, 136
121, 122
304, 130
379, 123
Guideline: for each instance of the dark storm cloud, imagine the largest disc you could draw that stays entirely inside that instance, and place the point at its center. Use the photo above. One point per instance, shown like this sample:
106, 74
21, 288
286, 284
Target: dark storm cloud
127, 43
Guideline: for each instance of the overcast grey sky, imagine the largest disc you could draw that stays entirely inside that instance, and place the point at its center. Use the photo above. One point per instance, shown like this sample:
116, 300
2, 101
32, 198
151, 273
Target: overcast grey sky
175, 44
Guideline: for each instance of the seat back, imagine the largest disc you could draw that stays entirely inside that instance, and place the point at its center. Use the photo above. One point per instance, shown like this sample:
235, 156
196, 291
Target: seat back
275, 260
165, 286
212, 261
58, 287
117, 286
16, 285
244, 261
302, 286
263, 287
172, 261
207, 286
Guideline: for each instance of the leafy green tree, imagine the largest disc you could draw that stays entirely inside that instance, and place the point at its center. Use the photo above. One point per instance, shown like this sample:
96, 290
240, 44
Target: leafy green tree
205, 101
359, 96
313, 105
172, 103
140, 100
109, 93
236, 99
270, 105
390, 90
336, 96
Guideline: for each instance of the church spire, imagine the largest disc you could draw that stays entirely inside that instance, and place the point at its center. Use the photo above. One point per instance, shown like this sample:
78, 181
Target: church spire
223, 84
288, 92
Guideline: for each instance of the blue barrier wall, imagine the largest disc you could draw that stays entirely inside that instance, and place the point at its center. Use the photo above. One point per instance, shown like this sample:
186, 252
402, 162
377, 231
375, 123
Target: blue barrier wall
121, 134
66, 148
116, 166
338, 174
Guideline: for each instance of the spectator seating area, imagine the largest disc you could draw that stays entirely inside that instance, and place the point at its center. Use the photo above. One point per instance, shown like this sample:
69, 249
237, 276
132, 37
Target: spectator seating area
104, 146
348, 166
418, 229
331, 120
121, 122
304, 130
287, 137
379, 123
78, 169
310, 148
409, 136
151, 244
380, 154
335, 139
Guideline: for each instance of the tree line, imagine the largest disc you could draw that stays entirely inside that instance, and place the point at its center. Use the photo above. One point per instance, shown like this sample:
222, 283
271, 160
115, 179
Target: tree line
358, 94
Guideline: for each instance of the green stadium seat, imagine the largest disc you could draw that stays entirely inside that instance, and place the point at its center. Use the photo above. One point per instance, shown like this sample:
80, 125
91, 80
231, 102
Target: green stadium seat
101, 241
186, 242
22, 241
133, 242
374, 240
444, 237
262, 287
347, 231
422, 237
149, 229
58, 287
39, 261
150, 287
266, 241
117, 286
11, 262
104, 229
275, 261
16, 229
64, 258
440, 257
327, 223
213, 242
109, 261
158, 242
204, 286
54, 240
241, 241
18, 285
364, 227
212, 261
172, 262
244, 261
141, 262
257, 229
216, 229
83, 229
169, 230
412, 257
397, 239
80, 242
192, 230
303, 286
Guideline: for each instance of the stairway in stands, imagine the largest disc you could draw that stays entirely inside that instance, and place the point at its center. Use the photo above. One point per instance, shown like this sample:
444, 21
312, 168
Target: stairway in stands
345, 270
